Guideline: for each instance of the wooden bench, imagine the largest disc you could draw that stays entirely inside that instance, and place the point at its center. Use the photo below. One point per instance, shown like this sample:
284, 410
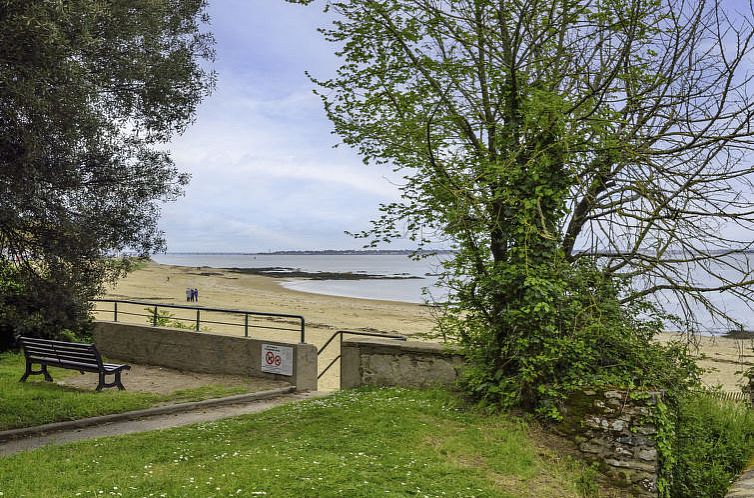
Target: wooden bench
71, 355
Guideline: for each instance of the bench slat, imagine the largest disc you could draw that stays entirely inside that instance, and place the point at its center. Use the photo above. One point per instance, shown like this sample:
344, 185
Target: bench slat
58, 349
90, 358
51, 343
75, 365
112, 367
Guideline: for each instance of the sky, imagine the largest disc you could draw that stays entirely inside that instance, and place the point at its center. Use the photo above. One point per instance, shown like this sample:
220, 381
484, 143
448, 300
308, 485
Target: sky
265, 175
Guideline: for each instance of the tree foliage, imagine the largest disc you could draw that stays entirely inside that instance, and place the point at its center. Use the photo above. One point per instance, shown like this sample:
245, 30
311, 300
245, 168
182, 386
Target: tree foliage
89, 90
585, 158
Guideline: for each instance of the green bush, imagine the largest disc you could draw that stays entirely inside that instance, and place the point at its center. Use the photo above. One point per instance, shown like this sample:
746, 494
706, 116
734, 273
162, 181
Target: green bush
168, 319
41, 303
567, 329
714, 440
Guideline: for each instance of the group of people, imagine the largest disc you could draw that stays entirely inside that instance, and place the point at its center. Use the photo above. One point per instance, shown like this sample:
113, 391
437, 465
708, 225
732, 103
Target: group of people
192, 295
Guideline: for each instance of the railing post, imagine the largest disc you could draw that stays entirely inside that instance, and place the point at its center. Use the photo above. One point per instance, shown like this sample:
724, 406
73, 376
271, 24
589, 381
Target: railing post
197, 320
115, 312
303, 334
246, 325
154, 317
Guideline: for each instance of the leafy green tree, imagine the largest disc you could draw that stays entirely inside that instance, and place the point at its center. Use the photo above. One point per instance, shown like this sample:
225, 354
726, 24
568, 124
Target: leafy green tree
89, 92
584, 158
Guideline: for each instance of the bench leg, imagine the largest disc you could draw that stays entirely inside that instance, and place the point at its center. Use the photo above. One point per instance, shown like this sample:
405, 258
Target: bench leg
42, 370
47, 375
26, 373
101, 381
118, 383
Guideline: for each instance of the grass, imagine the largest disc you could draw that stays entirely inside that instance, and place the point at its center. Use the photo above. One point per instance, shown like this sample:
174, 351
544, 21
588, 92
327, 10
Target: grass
362, 443
36, 402
714, 443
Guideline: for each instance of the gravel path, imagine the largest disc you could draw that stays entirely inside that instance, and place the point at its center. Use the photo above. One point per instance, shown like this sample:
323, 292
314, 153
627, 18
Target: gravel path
150, 423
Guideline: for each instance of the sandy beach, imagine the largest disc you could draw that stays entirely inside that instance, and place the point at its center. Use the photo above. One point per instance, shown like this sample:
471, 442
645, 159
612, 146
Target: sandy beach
227, 289
324, 314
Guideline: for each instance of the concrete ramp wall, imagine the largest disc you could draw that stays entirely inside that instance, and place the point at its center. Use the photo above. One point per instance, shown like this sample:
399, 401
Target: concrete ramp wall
203, 352
369, 361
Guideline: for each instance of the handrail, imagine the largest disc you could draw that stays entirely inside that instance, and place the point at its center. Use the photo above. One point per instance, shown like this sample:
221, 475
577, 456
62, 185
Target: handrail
199, 309
341, 333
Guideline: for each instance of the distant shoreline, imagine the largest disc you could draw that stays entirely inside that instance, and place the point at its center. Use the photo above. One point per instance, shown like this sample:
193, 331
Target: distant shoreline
285, 272
364, 252
327, 252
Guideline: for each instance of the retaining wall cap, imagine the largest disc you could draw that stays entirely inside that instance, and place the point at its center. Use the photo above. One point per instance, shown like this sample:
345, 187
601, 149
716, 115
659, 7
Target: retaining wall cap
410, 346
203, 334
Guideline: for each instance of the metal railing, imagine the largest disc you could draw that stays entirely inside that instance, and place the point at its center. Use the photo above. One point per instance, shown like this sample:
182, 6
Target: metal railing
341, 333
197, 321
737, 396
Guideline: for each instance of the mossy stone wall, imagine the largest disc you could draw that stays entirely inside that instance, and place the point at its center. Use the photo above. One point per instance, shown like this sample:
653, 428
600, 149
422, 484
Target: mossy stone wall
616, 429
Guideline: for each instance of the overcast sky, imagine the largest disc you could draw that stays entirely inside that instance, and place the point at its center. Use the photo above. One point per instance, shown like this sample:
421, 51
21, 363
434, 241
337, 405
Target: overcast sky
264, 173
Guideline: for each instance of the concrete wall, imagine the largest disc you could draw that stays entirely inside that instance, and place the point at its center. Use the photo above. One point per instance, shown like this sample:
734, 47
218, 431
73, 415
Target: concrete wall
387, 362
201, 352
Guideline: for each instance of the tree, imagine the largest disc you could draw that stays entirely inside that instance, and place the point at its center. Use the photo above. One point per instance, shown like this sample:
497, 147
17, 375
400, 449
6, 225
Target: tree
585, 158
89, 90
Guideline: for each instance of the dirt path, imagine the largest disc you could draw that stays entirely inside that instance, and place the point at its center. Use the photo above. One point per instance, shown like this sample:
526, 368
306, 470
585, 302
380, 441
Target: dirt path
162, 380
149, 423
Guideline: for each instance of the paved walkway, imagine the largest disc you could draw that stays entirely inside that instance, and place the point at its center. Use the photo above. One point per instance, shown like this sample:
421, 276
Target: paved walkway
744, 486
150, 423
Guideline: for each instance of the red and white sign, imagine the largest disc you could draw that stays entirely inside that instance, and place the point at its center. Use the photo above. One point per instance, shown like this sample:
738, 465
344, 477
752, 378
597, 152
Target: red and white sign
277, 359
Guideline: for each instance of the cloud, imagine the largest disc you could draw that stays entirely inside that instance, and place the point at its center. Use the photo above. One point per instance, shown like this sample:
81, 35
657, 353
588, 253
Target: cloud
264, 172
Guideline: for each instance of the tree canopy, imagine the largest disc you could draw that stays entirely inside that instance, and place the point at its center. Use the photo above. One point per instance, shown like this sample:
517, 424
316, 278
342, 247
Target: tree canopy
89, 92
583, 157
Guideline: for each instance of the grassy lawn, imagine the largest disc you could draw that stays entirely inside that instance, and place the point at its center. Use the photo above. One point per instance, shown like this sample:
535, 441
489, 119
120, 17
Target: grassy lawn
37, 402
363, 443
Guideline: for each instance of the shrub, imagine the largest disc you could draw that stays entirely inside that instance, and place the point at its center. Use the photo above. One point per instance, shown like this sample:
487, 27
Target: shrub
41, 304
167, 319
713, 442
573, 331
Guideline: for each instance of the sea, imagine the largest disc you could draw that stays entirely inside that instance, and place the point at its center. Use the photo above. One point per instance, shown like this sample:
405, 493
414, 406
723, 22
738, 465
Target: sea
418, 289
422, 288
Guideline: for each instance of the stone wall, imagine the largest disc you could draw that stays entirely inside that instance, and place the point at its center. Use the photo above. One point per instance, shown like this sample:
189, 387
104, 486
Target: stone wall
617, 432
388, 362
201, 352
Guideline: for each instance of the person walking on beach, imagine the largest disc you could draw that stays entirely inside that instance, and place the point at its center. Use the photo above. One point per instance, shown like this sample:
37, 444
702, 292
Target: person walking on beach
196, 295
189, 293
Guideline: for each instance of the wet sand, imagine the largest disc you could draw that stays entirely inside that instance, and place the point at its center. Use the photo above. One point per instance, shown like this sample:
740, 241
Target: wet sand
325, 315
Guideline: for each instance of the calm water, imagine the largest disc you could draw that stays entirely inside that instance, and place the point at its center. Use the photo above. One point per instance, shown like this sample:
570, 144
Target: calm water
404, 290
407, 290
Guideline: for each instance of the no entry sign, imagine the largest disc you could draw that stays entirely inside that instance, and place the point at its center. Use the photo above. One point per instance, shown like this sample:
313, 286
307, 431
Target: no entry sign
277, 359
